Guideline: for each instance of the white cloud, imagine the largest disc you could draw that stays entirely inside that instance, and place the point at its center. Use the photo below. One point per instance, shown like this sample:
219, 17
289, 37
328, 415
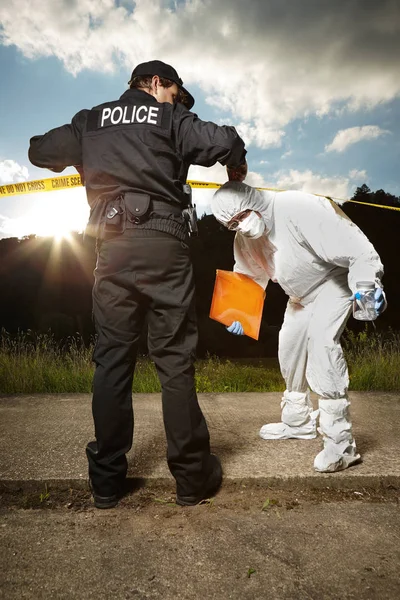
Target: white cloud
307, 181
260, 135
346, 137
357, 175
12, 172
267, 66
13, 227
256, 179
5, 228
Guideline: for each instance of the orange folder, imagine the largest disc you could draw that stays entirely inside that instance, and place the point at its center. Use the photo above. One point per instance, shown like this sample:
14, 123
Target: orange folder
238, 298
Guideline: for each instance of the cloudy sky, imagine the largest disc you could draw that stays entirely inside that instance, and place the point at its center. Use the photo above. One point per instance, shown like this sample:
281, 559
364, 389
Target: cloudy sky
313, 86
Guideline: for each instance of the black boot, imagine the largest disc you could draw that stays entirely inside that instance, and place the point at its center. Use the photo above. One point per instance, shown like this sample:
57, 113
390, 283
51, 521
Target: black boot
210, 487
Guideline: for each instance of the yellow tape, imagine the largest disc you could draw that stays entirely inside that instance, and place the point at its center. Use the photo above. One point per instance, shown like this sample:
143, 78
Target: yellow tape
72, 181
213, 185
204, 184
210, 185
41, 185
376, 205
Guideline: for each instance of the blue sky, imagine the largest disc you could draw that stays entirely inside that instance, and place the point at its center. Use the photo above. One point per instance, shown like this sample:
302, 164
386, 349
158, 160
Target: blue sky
312, 87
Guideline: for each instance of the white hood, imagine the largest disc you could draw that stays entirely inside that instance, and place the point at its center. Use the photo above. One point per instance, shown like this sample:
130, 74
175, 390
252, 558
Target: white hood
235, 197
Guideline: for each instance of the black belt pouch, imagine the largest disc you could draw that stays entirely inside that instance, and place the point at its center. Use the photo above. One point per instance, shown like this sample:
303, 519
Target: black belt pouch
137, 207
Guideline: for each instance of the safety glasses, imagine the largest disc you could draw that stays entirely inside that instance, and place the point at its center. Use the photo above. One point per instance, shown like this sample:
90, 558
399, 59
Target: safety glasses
235, 222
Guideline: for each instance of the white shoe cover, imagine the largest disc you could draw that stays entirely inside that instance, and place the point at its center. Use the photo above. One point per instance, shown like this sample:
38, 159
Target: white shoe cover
281, 431
340, 449
336, 457
298, 419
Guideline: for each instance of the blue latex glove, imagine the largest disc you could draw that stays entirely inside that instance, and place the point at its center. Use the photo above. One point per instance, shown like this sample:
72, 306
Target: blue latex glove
236, 328
380, 300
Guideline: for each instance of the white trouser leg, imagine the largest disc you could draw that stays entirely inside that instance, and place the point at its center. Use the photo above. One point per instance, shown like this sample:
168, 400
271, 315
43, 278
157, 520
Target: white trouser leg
298, 418
328, 376
326, 370
292, 351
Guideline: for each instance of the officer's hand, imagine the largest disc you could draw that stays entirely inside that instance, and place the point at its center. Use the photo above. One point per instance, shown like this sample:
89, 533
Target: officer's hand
236, 328
237, 173
380, 300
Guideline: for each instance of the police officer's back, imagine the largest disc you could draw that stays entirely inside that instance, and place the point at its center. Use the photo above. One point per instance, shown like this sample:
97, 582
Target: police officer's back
134, 154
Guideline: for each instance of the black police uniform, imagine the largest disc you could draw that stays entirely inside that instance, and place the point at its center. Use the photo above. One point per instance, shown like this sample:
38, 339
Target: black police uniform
135, 154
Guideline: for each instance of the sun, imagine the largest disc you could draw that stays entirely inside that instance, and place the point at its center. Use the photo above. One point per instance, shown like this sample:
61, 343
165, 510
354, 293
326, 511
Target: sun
51, 223
54, 215
58, 231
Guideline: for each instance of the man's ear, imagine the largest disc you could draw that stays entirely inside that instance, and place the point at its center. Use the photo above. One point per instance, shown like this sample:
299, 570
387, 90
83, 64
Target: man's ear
155, 82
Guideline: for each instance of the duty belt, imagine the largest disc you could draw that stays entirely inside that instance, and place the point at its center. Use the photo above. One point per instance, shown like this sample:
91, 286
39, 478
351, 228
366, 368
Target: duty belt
165, 207
136, 210
136, 216
161, 216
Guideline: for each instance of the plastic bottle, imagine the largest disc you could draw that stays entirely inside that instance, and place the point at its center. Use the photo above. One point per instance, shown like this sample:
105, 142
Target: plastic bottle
364, 301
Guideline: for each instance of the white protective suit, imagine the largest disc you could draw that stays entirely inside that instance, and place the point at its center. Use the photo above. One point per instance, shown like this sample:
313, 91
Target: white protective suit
317, 255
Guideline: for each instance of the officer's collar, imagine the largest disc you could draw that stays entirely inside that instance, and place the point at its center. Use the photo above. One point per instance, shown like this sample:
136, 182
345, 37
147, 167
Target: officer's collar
134, 92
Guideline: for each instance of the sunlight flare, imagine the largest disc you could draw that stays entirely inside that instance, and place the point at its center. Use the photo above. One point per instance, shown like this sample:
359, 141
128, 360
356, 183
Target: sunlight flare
50, 215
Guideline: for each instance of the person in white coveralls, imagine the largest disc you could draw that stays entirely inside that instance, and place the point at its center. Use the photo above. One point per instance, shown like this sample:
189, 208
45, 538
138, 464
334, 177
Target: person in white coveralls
317, 255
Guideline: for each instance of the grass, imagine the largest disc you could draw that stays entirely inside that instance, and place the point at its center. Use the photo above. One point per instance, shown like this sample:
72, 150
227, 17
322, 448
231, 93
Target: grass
37, 363
374, 360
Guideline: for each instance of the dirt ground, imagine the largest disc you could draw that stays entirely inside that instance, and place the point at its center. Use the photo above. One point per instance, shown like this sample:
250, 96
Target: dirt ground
234, 496
244, 544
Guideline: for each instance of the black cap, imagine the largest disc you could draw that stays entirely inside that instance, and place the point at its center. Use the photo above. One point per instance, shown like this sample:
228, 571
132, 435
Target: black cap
157, 67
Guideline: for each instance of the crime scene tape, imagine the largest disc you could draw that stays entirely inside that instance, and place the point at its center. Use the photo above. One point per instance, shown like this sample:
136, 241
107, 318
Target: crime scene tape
376, 205
66, 182
41, 185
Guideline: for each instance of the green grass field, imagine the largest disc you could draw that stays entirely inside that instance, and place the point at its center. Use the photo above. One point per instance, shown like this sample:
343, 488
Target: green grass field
36, 363
373, 360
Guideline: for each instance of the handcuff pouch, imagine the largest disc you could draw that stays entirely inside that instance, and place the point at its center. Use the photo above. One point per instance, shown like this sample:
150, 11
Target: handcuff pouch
137, 207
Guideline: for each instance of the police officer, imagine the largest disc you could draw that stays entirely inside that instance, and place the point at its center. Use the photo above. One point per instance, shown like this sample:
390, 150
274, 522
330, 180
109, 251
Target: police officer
134, 154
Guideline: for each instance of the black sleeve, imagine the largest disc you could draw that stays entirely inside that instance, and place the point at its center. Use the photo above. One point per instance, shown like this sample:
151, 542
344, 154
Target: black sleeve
204, 143
60, 147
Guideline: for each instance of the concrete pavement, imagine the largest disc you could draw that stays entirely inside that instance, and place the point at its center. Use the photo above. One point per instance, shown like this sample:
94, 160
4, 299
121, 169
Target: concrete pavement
319, 536
43, 438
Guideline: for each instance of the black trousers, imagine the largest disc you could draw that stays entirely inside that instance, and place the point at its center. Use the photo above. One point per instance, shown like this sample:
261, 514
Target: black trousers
139, 274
